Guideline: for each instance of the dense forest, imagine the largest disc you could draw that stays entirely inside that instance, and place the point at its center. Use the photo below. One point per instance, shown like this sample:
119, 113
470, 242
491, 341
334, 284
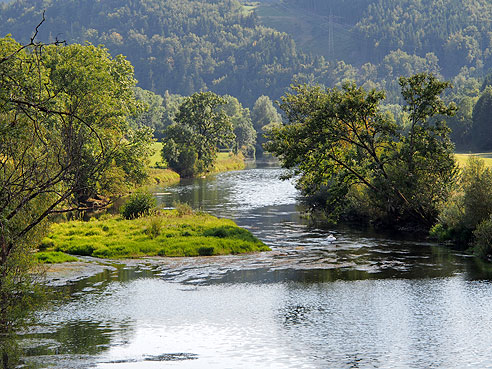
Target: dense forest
457, 32
183, 47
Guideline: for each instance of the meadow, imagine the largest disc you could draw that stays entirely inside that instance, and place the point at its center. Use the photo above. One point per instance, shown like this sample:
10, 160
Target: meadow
485, 156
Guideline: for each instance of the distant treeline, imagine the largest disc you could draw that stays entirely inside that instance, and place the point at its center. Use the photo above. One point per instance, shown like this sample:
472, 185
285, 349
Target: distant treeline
196, 45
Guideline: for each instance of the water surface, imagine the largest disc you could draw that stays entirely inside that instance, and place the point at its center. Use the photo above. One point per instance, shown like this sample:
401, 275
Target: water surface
363, 301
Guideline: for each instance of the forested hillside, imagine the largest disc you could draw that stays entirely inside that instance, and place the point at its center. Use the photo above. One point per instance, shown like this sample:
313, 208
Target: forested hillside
181, 46
357, 31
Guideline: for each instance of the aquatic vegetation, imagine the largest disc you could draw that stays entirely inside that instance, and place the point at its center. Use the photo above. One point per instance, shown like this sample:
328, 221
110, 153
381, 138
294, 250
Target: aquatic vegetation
168, 233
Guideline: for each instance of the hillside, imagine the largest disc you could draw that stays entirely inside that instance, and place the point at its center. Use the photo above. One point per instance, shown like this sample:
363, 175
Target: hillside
359, 31
182, 46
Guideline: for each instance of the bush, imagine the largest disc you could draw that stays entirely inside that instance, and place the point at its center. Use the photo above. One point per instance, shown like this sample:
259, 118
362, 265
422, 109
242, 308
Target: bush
183, 208
46, 243
483, 239
139, 204
154, 228
468, 206
206, 251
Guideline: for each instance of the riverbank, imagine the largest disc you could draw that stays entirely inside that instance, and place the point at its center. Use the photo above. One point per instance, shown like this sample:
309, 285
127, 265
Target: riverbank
226, 161
167, 233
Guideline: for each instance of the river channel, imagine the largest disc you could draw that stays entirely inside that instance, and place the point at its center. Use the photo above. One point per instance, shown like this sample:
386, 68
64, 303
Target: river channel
364, 300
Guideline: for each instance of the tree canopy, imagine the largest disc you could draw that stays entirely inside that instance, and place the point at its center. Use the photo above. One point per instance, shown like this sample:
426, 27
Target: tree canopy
352, 155
201, 127
65, 142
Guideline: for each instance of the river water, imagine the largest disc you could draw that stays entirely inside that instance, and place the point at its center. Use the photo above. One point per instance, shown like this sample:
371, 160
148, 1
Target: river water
364, 300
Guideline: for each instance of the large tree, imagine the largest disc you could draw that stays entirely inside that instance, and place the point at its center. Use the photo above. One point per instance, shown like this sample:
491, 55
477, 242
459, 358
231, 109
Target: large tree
65, 140
351, 154
202, 127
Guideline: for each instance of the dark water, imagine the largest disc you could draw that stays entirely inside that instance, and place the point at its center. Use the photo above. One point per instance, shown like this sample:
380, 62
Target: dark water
362, 301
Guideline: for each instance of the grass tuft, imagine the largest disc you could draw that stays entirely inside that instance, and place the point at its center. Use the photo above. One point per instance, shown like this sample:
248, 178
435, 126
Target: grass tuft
54, 257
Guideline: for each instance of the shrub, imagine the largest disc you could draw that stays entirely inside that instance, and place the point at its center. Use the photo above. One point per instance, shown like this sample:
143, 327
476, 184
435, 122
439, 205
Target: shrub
139, 204
183, 208
154, 228
483, 239
206, 251
468, 206
46, 243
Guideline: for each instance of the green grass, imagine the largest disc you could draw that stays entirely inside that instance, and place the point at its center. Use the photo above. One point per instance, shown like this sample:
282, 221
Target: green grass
228, 161
162, 177
53, 257
156, 158
165, 234
485, 156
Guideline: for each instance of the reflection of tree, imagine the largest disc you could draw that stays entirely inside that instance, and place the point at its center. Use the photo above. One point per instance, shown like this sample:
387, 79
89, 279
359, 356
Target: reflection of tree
75, 339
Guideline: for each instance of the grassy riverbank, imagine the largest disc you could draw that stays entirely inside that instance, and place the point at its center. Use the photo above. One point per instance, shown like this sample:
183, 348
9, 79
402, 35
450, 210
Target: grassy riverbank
164, 177
166, 234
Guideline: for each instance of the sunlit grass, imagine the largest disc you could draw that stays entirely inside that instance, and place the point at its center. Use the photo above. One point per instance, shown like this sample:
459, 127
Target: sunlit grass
53, 257
462, 159
166, 234
156, 157
228, 161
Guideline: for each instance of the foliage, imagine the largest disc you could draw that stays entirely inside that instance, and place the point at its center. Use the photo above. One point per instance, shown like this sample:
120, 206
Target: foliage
191, 144
153, 112
264, 116
469, 205
138, 204
340, 140
155, 227
177, 235
481, 130
483, 239
244, 132
65, 142
183, 208
181, 46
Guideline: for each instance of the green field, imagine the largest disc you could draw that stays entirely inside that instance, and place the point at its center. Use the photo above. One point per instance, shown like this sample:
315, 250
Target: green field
485, 156
156, 158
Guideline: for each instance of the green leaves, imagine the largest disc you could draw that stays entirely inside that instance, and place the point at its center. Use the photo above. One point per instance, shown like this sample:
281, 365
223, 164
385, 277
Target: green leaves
348, 151
202, 126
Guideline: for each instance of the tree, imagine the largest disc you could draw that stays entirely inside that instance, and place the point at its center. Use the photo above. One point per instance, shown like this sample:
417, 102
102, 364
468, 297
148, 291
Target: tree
202, 126
65, 141
243, 127
481, 130
351, 155
264, 116
152, 115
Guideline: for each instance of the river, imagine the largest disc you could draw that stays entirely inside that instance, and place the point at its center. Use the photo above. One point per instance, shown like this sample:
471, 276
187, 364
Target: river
363, 300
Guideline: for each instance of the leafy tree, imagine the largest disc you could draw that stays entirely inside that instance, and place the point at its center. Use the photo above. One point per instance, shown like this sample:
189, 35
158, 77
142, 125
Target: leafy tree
65, 140
481, 130
243, 127
202, 126
349, 153
469, 205
171, 107
264, 116
153, 112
